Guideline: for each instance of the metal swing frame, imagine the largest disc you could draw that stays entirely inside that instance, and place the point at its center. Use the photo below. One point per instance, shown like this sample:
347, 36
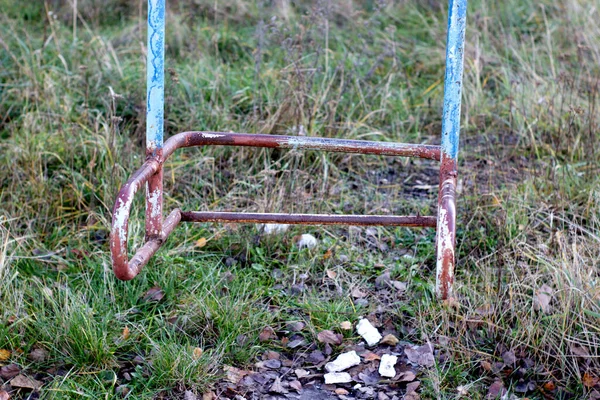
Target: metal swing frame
150, 174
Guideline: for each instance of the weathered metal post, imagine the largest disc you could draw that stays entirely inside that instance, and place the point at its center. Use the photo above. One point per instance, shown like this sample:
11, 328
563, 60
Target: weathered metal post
155, 87
446, 221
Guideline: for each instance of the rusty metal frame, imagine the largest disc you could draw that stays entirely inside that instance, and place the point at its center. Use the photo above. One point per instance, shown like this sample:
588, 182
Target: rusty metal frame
150, 173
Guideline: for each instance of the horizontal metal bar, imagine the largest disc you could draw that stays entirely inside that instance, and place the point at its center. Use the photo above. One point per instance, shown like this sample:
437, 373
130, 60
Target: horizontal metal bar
308, 219
188, 139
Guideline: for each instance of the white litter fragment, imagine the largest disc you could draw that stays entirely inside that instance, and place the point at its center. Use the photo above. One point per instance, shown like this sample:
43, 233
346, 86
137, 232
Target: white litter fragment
273, 229
337, 377
386, 366
343, 362
368, 332
307, 240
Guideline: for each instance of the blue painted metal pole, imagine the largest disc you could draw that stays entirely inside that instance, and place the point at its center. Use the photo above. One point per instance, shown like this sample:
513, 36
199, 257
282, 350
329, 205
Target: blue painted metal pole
446, 222
155, 104
155, 76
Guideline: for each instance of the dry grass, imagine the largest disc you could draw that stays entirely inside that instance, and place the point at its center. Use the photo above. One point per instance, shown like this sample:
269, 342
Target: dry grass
71, 128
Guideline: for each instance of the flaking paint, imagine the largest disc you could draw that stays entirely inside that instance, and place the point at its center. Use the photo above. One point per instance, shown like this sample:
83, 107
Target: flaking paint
155, 76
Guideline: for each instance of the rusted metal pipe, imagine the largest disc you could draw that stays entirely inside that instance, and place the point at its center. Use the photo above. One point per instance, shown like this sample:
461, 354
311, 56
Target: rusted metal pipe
188, 139
446, 229
308, 219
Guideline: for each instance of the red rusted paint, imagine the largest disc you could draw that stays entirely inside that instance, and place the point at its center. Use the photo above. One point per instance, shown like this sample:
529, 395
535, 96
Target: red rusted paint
151, 174
446, 228
309, 219
154, 200
188, 139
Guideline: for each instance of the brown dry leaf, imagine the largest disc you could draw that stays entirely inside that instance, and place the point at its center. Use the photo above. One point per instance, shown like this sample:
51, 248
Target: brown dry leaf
266, 334
327, 254
421, 355
4, 395
277, 387
406, 376
22, 381
296, 385
330, 337
358, 294
390, 340
154, 294
341, 391
4, 355
197, 353
200, 243
589, 380
486, 365
370, 356
411, 391
9, 371
542, 299
331, 274
234, 375
38, 355
346, 325
549, 386
209, 396
579, 351
496, 390
126, 333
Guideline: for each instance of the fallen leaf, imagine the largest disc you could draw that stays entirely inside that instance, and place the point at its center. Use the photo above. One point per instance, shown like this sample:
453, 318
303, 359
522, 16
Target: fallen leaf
126, 333
197, 353
233, 374
330, 337
271, 355
154, 294
411, 391
4, 355
358, 294
496, 390
580, 351
589, 380
9, 371
22, 381
406, 376
420, 355
399, 286
4, 395
509, 358
486, 365
296, 385
209, 396
370, 356
341, 391
390, 340
38, 355
331, 274
542, 299
266, 334
277, 387
188, 395
301, 373
346, 325
549, 386
200, 243
327, 254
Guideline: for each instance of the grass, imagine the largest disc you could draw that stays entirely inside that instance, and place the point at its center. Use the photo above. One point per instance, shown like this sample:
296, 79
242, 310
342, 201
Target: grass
72, 125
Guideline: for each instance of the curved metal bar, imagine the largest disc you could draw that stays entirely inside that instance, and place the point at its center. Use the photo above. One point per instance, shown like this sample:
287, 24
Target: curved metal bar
189, 139
120, 221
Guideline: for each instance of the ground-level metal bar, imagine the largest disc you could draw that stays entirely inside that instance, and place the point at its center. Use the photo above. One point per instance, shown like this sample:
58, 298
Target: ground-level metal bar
151, 174
446, 228
308, 219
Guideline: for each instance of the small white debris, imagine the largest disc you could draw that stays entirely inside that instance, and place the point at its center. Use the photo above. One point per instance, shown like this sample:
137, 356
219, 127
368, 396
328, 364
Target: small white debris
357, 386
386, 366
307, 240
368, 332
273, 229
337, 377
343, 362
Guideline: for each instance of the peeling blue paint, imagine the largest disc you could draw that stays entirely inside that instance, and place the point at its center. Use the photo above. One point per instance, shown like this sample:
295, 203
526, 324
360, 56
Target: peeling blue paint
155, 76
457, 17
